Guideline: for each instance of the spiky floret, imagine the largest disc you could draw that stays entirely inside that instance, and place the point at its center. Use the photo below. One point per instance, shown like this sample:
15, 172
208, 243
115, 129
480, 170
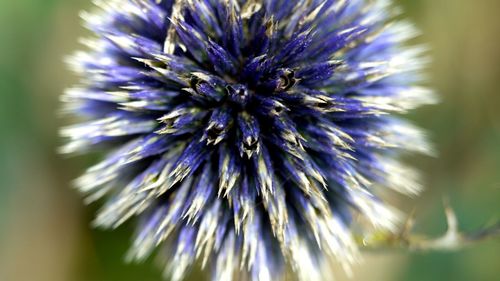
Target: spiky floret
246, 134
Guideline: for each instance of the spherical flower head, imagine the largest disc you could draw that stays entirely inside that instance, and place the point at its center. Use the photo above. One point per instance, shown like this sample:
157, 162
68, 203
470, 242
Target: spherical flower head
248, 136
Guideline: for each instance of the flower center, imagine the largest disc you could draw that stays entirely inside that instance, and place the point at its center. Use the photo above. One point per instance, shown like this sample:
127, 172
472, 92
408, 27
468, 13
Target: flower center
238, 94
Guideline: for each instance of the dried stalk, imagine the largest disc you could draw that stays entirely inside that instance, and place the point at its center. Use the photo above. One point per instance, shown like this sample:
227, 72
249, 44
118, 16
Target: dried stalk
452, 240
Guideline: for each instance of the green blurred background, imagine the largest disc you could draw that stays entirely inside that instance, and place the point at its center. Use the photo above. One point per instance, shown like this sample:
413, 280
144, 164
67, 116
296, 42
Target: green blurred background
44, 227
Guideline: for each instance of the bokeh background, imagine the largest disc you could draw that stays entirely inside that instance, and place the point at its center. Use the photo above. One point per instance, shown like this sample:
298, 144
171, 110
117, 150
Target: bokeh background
44, 227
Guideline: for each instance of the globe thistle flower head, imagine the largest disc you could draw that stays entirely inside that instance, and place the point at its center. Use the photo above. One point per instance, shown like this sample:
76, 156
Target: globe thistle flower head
248, 136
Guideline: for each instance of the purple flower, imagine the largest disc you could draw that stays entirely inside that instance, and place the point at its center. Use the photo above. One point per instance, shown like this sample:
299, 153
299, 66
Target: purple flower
247, 135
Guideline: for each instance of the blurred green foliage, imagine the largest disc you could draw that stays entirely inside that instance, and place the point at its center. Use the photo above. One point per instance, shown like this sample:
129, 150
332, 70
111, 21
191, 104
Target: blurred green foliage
44, 228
